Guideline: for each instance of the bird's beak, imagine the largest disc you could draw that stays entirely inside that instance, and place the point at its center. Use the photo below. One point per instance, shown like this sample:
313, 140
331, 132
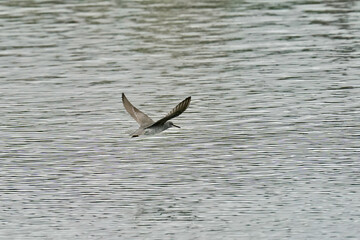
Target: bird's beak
176, 126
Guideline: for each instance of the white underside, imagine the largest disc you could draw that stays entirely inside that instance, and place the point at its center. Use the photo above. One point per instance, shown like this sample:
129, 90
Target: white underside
148, 131
152, 131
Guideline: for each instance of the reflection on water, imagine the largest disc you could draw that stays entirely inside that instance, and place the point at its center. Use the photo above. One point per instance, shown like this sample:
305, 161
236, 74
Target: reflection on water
268, 148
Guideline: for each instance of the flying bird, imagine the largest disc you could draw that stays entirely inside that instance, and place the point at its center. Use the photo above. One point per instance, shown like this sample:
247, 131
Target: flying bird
147, 125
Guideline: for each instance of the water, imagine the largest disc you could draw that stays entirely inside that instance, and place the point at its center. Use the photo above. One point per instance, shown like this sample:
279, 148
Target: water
268, 149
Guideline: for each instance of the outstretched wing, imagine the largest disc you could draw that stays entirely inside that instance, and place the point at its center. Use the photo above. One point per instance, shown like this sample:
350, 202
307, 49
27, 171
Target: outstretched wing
179, 109
143, 119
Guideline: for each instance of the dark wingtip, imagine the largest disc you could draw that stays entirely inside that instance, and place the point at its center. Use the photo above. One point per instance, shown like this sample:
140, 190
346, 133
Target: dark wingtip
123, 97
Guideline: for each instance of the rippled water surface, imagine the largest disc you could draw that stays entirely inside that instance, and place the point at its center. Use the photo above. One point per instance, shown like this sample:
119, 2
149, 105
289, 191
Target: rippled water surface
268, 149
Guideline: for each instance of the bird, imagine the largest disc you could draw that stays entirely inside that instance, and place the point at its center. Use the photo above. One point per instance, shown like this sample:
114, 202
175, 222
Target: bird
147, 125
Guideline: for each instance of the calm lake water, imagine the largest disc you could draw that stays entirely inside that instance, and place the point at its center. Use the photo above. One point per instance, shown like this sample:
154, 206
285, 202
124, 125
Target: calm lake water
268, 149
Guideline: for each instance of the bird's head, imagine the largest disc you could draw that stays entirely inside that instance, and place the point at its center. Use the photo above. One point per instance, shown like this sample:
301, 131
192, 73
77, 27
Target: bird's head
171, 124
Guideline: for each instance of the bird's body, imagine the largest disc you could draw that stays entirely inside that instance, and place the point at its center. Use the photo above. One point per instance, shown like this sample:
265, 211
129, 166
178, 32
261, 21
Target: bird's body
151, 130
147, 125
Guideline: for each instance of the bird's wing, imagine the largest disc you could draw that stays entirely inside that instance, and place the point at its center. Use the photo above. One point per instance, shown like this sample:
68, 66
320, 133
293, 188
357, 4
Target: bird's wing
179, 109
143, 119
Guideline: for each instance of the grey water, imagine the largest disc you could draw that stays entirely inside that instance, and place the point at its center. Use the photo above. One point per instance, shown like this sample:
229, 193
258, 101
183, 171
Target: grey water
268, 149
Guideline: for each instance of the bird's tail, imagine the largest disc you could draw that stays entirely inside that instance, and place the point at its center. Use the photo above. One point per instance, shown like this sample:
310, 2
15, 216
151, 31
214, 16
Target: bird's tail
138, 132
